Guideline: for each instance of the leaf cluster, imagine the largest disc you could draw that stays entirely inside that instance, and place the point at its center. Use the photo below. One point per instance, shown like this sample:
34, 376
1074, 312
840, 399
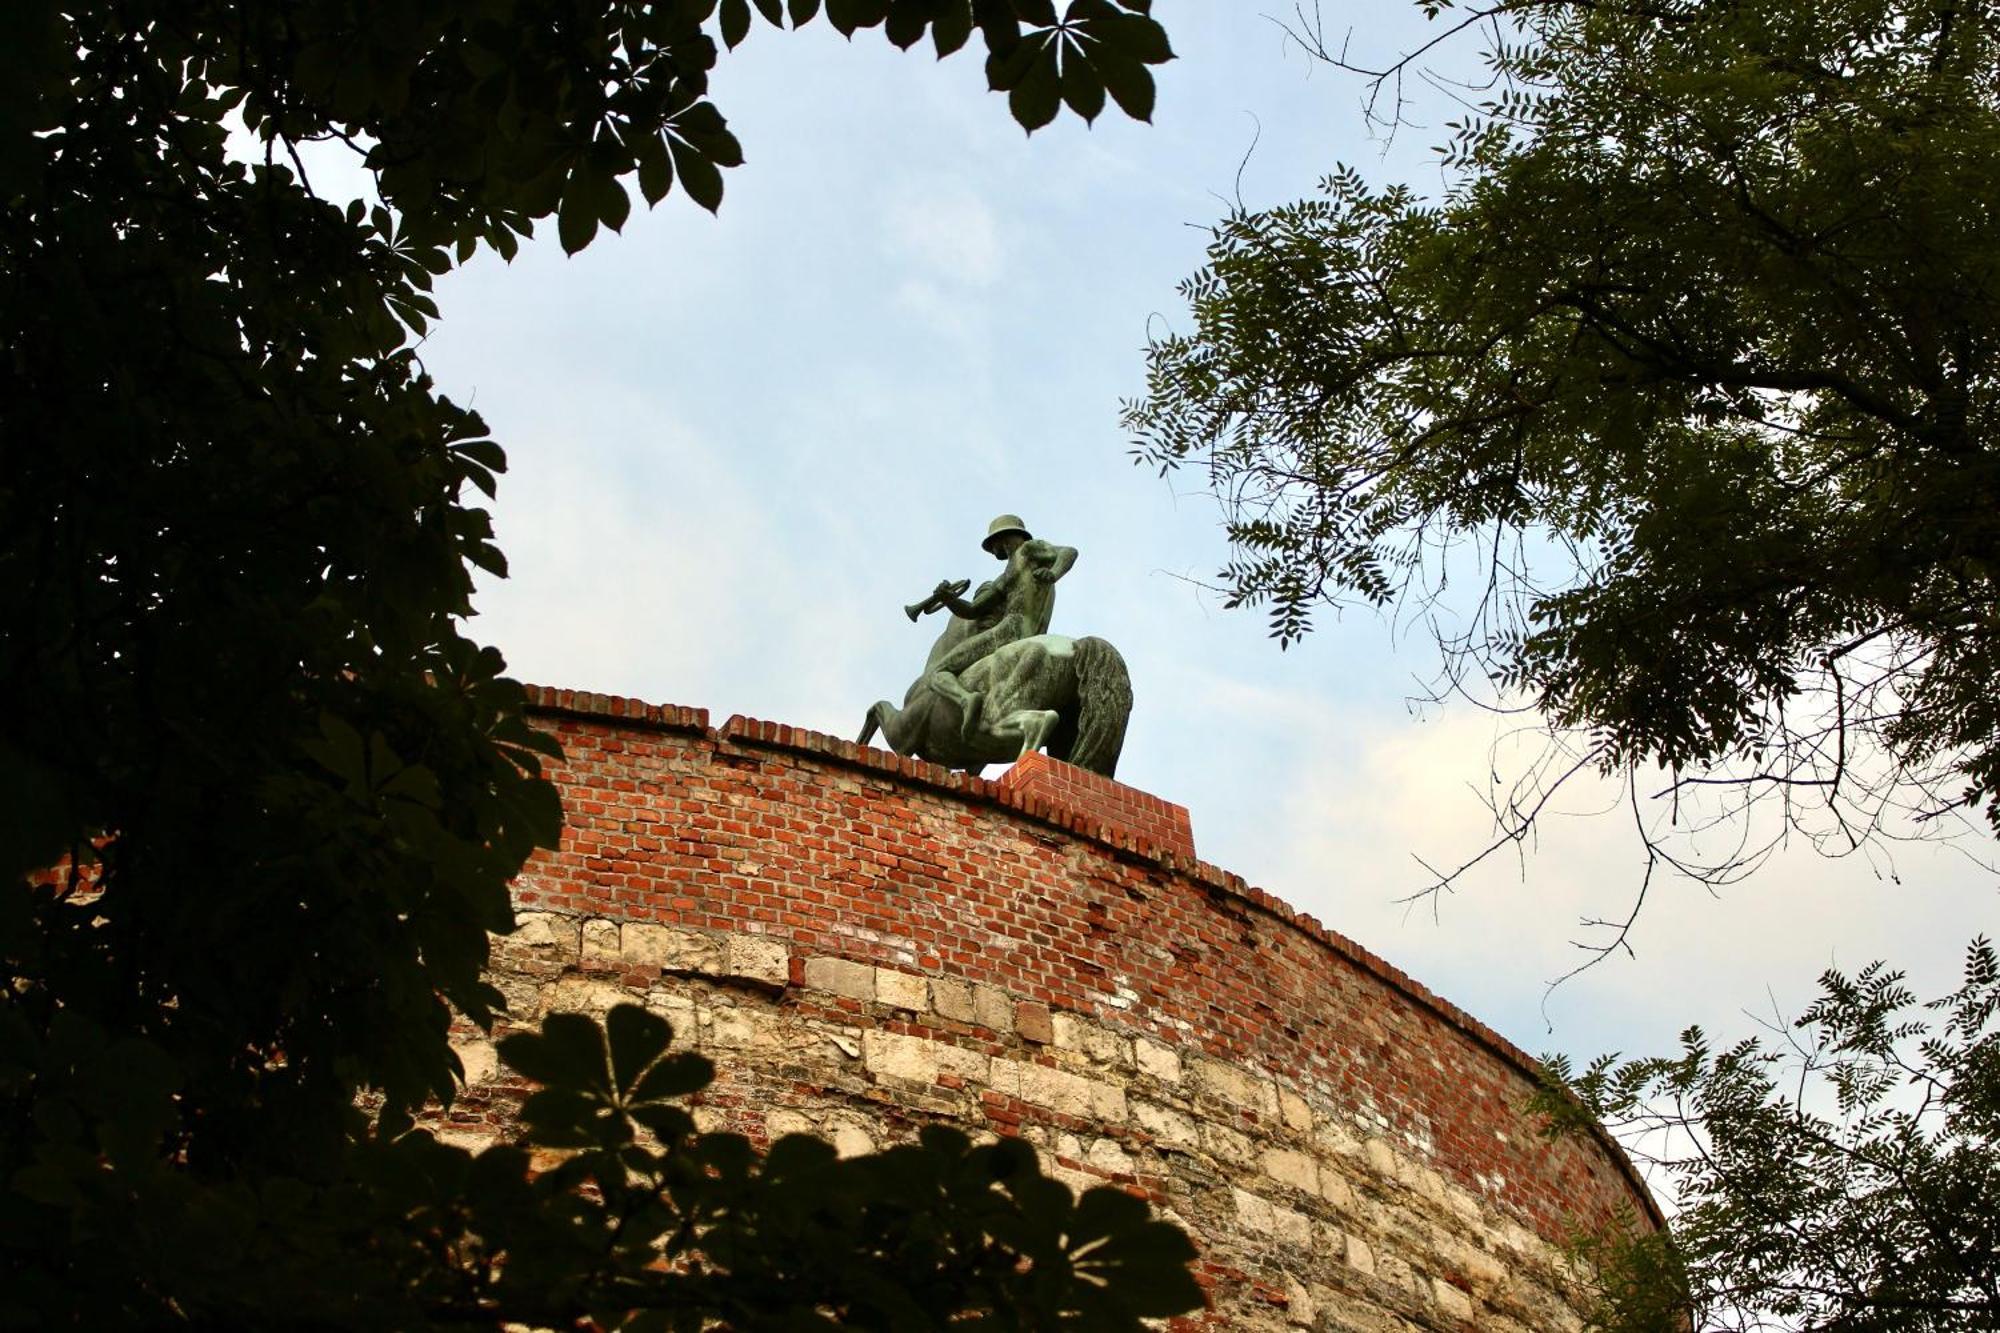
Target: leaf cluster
1847, 1178
642, 1222
1706, 323
282, 791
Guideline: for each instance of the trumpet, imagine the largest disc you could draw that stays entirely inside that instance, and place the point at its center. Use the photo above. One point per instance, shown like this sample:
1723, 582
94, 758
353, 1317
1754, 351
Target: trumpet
936, 600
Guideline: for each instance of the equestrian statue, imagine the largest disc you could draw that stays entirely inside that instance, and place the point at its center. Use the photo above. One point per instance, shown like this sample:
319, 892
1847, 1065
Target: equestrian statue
997, 684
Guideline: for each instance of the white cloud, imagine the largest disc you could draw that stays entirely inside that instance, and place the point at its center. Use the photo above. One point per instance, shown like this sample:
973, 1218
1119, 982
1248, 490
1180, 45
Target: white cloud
741, 444
947, 230
1349, 829
931, 304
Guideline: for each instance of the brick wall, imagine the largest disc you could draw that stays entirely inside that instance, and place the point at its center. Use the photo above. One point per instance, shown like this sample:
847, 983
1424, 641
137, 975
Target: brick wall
1139, 816
865, 942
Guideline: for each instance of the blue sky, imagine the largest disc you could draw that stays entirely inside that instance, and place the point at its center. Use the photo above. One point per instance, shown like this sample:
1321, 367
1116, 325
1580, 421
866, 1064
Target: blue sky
739, 444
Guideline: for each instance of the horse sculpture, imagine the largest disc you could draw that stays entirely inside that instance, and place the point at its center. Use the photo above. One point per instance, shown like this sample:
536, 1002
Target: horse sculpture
1069, 696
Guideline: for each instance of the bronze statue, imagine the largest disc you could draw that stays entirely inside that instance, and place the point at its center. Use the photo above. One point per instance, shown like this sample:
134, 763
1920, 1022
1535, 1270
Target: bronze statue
997, 684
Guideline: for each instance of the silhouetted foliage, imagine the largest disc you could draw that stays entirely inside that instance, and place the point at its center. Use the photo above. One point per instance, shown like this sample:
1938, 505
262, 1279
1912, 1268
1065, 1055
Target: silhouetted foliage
285, 792
1686, 384
1846, 1178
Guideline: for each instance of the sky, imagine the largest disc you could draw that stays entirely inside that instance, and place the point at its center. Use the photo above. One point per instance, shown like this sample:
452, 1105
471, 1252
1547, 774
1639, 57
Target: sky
739, 444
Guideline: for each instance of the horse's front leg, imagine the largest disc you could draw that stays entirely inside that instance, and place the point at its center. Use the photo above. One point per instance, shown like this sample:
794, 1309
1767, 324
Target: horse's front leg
1028, 729
877, 717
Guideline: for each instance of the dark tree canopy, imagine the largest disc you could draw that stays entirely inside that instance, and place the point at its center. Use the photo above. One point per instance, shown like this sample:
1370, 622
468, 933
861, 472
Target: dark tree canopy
238, 526
1689, 382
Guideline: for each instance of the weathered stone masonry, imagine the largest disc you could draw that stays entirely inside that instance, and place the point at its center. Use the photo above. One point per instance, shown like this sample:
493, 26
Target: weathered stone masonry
865, 943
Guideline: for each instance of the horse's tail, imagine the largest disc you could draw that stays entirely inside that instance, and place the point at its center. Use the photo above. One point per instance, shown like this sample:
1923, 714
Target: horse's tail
1104, 704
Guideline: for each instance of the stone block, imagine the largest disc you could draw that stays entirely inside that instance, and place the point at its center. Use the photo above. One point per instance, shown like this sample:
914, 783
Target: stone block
670, 948
1334, 1189
1335, 1139
972, 1066
479, 1060
1359, 1257
527, 997
1162, 1062
543, 931
993, 1008
759, 958
1059, 1090
952, 999
1165, 1124
1034, 1022
586, 995
1252, 1212
848, 1138
841, 976
777, 1124
735, 1028
679, 1011
893, 1055
847, 1041
1238, 1089
1297, 1115
1284, 1224
1108, 1156
600, 943
1381, 1158
1453, 1302
1225, 1144
1300, 1307
1094, 1041
1291, 1226
902, 990
1292, 1168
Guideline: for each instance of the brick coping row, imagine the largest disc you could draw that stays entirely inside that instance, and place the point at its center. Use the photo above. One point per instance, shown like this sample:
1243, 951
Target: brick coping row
748, 732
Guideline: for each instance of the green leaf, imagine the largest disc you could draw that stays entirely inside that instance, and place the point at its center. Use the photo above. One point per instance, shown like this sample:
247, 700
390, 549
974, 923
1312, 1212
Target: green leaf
656, 168
699, 177
674, 1076
1082, 89
999, 27
637, 1037
735, 22
951, 27
1037, 94
1141, 39
666, 1122
798, 1155
569, 1118
1128, 82
568, 1053
905, 23
704, 128
576, 223
847, 16
1004, 71
487, 453
613, 204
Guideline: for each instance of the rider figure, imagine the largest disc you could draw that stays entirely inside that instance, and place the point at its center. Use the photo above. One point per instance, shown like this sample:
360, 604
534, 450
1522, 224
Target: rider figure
1017, 605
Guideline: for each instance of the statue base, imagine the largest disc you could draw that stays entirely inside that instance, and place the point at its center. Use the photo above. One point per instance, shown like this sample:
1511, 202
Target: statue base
1112, 803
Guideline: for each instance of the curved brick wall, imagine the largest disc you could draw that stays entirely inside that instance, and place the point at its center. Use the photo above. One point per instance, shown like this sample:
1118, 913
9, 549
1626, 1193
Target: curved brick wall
864, 943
